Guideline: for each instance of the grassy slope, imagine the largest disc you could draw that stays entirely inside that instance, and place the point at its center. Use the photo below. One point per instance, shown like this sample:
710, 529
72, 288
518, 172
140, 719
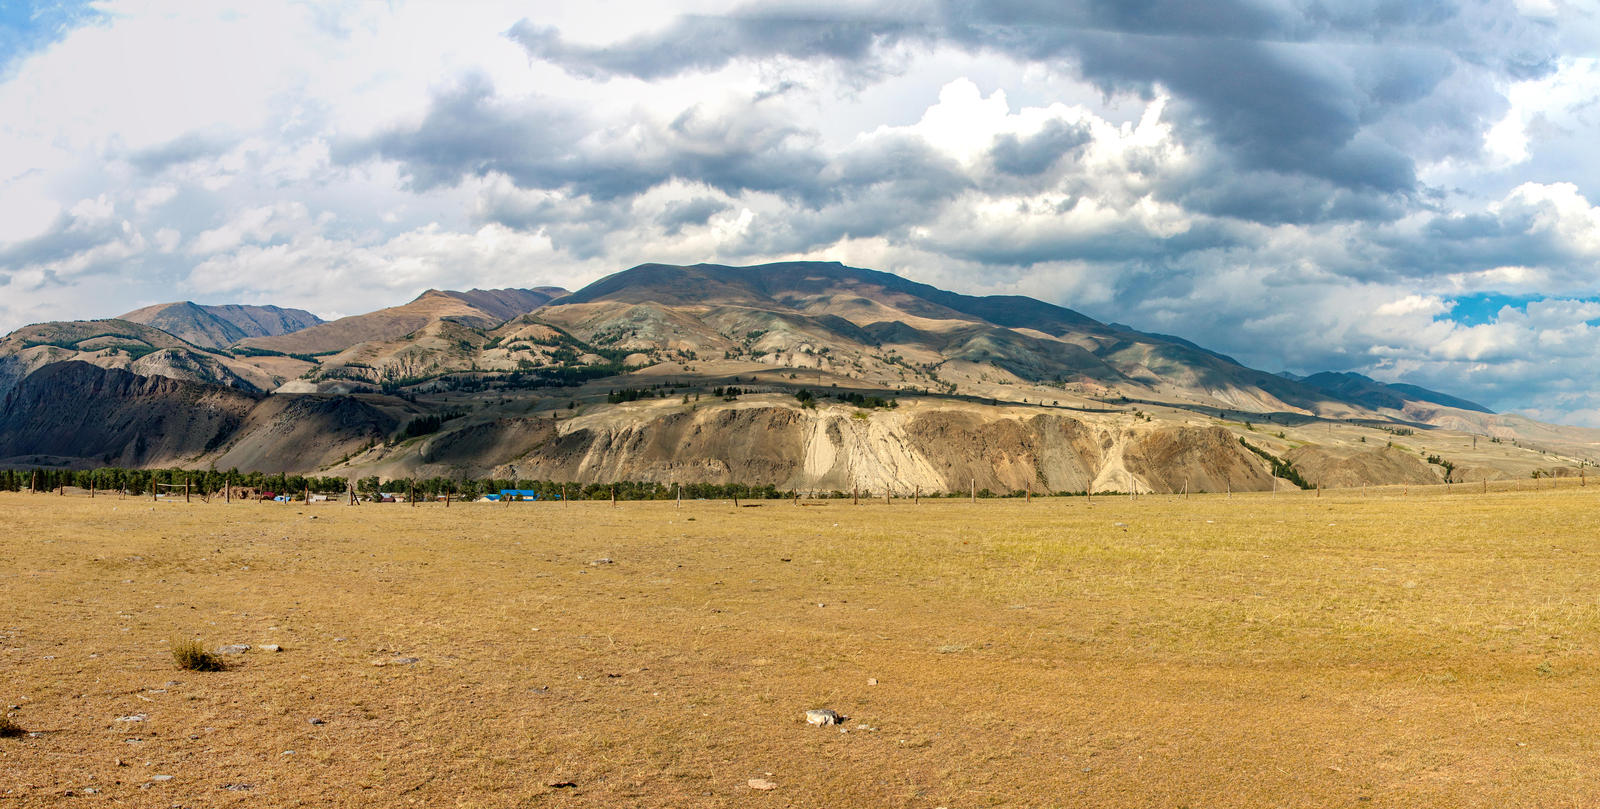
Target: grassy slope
1285, 650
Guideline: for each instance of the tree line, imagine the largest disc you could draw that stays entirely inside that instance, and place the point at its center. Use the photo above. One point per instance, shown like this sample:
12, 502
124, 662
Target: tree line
212, 482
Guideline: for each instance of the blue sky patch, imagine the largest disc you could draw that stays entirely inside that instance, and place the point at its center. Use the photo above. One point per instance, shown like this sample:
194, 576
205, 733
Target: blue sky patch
1484, 307
26, 27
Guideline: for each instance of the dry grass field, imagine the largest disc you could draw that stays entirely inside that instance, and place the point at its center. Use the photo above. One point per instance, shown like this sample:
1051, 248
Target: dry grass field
1426, 649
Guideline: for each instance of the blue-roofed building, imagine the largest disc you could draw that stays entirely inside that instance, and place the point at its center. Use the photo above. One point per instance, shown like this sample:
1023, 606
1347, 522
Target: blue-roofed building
516, 495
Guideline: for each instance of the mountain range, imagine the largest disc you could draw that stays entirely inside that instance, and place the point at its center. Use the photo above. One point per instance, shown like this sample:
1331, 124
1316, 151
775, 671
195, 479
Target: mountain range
803, 375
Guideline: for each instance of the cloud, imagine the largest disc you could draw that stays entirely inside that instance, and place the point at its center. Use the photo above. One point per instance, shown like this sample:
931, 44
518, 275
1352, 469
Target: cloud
681, 213
85, 239
803, 34
1277, 87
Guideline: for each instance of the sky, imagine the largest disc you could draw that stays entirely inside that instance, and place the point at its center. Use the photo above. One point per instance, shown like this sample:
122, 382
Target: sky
1408, 189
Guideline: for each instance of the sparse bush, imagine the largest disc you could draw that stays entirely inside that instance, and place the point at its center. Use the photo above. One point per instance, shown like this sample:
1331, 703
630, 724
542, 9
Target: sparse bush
9, 729
190, 655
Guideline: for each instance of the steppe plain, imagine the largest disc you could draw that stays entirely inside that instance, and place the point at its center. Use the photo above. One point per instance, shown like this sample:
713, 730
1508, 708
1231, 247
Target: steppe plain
1387, 647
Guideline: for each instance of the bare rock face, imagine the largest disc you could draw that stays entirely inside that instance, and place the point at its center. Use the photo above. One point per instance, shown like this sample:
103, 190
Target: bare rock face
1175, 459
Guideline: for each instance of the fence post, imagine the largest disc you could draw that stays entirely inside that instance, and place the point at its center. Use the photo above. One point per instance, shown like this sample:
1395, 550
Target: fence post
678, 488
974, 491
185, 489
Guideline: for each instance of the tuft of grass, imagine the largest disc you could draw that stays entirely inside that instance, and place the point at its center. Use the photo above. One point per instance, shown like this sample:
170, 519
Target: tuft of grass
190, 655
9, 729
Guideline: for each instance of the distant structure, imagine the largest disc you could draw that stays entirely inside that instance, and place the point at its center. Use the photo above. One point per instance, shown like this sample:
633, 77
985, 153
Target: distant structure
515, 495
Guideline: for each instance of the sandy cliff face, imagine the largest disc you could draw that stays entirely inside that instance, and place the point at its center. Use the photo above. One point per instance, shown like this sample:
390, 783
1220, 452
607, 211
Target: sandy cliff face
917, 448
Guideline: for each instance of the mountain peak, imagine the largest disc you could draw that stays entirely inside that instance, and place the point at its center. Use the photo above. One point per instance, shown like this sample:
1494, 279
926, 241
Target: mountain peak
1383, 395
219, 326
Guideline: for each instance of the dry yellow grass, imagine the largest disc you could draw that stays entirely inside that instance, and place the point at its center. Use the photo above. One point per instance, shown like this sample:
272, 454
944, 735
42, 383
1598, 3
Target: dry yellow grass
1426, 650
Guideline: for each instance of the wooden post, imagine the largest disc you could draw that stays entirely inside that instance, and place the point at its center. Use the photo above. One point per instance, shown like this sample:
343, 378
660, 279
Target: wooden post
678, 488
613, 496
33, 483
411, 493
186, 489
916, 496
91, 488
447, 498
308, 494
1130, 484
152, 488
974, 491
886, 496
1027, 493
1319, 488
227, 488
855, 495
736, 501
564, 494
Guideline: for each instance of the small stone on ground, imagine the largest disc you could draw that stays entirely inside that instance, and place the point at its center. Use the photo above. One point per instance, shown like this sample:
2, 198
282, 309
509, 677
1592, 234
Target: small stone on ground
821, 716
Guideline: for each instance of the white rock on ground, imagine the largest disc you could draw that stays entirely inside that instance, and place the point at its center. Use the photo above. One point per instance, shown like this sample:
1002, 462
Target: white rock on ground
821, 716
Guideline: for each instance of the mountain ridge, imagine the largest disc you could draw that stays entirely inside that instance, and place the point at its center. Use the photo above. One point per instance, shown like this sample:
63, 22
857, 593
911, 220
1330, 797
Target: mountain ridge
221, 326
849, 378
